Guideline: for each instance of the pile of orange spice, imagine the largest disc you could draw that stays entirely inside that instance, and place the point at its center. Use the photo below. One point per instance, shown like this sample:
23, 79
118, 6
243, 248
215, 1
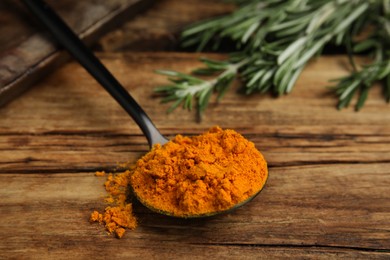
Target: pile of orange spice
188, 176
199, 175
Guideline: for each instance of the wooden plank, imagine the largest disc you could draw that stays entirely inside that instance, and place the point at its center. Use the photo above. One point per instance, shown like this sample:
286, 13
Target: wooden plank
88, 151
82, 104
28, 53
304, 211
71, 119
158, 29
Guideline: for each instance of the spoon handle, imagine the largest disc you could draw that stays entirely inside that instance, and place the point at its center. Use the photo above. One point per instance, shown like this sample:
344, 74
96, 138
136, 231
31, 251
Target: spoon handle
68, 39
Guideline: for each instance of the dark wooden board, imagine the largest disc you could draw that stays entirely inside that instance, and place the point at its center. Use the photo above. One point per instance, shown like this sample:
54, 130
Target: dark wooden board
158, 28
327, 195
27, 52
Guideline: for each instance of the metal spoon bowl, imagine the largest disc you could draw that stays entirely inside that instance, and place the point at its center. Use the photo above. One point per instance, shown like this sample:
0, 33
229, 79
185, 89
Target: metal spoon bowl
208, 214
70, 41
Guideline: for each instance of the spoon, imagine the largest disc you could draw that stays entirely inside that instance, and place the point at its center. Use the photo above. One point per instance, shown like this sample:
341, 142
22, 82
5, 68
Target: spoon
70, 41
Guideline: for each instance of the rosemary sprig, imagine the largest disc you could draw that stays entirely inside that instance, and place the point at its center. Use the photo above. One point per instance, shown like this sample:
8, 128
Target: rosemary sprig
186, 87
274, 41
360, 81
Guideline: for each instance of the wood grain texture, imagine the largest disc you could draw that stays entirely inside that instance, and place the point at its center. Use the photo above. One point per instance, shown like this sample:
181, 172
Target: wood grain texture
27, 52
327, 195
159, 27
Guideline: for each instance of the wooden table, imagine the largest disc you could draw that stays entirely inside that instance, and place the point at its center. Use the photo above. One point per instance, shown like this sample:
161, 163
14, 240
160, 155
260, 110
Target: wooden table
327, 195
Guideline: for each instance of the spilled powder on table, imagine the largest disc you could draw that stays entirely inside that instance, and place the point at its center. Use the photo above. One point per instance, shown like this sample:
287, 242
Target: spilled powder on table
119, 216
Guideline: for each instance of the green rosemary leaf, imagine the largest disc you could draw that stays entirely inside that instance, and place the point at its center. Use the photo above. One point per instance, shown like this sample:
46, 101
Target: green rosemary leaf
384, 71
164, 88
284, 25
340, 38
266, 78
351, 88
321, 16
175, 105
362, 98
386, 7
294, 47
168, 99
346, 22
254, 79
167, 72
179, 77
188, 42
205, 39
290, 31
215, 64
365, 45
252, 28
283, 72
198, 27
222, 88
312, 51
387, 88
293, 79
282, 88
250, 71
346, 100
204, 99
188, 102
